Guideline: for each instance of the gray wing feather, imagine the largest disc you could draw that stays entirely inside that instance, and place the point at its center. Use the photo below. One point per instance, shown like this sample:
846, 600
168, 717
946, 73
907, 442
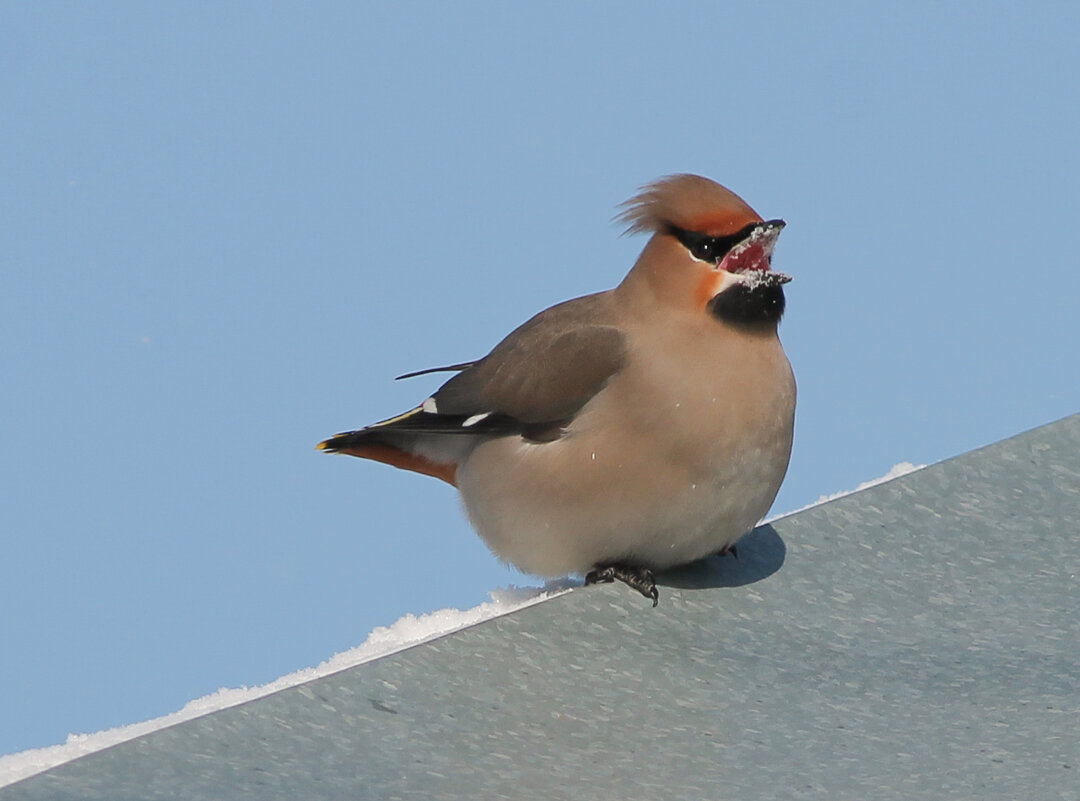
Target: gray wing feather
546, 370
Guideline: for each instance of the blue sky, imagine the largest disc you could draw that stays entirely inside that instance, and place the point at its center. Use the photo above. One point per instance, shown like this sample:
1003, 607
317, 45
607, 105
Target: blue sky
226, 226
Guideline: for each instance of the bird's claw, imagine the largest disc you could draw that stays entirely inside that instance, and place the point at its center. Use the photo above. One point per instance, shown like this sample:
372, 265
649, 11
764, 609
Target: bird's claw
639, 578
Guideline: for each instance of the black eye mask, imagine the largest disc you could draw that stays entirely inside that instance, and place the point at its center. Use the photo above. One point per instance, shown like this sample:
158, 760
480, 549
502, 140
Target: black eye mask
710, 248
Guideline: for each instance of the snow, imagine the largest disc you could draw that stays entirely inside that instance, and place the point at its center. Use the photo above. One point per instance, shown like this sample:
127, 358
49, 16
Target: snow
385, 640
897, 470
408, 631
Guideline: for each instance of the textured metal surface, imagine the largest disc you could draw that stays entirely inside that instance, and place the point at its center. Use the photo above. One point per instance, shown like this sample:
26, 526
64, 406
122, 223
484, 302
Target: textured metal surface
919, 639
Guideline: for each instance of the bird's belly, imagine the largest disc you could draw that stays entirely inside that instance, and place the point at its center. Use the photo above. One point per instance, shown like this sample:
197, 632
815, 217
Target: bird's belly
589, 498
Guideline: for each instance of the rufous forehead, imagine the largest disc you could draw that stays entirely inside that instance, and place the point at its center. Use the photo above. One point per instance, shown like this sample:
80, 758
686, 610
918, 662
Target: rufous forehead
722, 223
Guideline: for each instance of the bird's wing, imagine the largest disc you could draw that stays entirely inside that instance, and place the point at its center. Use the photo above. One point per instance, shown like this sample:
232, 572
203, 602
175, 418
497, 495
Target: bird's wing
541, 377
450, 368
532, 383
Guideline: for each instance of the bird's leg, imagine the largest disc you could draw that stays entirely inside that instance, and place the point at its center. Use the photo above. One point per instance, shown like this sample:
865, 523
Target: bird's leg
639, 578
728, 549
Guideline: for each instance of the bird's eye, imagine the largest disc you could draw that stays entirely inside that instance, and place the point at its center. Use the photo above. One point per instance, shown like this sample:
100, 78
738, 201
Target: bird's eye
701, 247
710, 248
705, 250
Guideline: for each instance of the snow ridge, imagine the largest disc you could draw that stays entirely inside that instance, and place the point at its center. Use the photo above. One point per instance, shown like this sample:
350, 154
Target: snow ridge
385, 640
897, 470
408, 631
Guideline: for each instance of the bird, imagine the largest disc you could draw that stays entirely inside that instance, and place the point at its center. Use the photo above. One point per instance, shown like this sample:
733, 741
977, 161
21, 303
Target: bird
629, 431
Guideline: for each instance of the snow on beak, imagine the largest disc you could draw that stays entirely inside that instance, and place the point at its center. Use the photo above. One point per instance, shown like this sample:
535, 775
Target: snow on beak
751, 258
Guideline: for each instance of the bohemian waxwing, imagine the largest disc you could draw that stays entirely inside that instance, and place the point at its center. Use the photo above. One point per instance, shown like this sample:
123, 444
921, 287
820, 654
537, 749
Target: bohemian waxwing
627, 431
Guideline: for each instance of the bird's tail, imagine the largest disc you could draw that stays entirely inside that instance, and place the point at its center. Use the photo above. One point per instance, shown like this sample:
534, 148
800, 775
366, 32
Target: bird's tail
373, 443
350, 441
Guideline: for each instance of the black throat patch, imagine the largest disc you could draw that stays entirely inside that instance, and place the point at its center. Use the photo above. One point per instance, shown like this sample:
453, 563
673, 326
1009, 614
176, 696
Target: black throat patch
749, 307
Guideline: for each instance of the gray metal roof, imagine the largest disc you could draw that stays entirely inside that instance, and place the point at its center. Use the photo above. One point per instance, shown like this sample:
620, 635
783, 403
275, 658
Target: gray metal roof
919, 639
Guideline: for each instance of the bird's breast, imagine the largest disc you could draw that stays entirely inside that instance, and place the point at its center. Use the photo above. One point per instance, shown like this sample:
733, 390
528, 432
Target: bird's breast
677, 457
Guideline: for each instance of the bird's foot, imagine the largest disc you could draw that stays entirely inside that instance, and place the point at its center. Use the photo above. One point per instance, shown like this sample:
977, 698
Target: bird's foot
640, 578
728, 549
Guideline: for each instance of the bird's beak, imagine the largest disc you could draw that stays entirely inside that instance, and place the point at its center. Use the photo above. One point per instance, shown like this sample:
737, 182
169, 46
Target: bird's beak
751, 257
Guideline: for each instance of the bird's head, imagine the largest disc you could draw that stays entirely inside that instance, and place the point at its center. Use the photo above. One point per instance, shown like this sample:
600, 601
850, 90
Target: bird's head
710, 252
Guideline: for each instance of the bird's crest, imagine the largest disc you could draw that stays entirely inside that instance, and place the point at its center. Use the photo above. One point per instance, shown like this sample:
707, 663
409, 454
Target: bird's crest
689, 202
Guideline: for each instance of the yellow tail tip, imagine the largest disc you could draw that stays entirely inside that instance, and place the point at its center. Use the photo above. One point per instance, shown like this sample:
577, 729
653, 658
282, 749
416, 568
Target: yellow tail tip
322, 446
